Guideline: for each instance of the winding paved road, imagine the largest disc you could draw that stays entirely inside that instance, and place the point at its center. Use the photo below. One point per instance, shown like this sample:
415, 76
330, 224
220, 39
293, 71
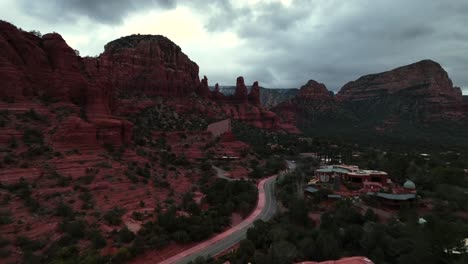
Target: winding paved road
266, 208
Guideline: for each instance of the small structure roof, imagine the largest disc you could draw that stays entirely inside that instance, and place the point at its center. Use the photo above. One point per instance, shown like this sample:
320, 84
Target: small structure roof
409, 185
350, 170
311, 189
349, 260
394, 196
333, 169
334, 196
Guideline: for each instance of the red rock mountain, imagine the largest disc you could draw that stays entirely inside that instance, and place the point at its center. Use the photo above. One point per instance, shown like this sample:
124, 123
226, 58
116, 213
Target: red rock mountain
407, 101
314, 90
148, 64
425, 79
124, 131
31, 66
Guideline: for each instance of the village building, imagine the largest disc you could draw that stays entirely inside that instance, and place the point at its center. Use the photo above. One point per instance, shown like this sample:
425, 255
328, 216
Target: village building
351, 181
350, 173
399, 196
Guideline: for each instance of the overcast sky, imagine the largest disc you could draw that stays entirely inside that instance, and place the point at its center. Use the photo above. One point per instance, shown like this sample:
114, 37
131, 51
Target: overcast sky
280, 43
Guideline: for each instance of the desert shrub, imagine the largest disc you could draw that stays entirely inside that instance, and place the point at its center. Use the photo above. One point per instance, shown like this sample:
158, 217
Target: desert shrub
27, 244
96, 238
4, 118
13, 143
33, 136
125, 235
103, 164
75, 228
131, 176
181, 236
4, 253
4, 242
32, 115
36, 150
5, 217
63, 112
10, 159
144, 172
114, 216
122, 255
137, 216
64, 210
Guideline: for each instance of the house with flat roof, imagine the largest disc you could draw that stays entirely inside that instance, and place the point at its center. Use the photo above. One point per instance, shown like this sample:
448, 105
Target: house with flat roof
350, 173
351, 181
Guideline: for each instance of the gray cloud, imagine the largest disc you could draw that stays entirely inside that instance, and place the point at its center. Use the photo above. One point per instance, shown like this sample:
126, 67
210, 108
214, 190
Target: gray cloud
352, 39
328, 40
103, 11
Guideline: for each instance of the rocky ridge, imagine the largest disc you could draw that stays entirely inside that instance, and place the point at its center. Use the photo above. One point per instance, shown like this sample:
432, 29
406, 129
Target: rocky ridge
414, 97
137, 65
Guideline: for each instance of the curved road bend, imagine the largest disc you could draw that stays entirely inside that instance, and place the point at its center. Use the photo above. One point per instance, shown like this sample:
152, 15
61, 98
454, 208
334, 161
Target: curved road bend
266, 208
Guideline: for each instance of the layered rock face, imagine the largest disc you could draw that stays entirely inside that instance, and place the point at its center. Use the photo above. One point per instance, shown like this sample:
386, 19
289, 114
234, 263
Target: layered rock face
407, 102
34, 66
425, 79
425, 84
148, 64
314, 90
312, 98
245, 106
46, 67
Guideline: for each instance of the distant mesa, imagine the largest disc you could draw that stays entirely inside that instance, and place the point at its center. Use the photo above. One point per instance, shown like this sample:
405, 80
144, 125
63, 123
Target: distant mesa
411, 101
425, 79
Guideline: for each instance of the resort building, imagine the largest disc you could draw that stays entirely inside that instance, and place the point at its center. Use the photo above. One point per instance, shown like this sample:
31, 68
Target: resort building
350, 173
346, 181
399, 196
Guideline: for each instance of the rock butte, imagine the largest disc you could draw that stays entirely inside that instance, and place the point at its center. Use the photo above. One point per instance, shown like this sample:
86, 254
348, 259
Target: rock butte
31, 66
425, 83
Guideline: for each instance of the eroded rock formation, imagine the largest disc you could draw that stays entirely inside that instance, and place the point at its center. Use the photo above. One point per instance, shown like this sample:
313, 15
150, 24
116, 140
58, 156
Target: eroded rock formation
254, 95
314, 90
425, 79
241, 93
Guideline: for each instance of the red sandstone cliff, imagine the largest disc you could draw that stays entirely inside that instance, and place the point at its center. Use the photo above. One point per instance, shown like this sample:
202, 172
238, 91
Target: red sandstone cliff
313, 97
426, 82
314, 90
425, 79
419, 93
31, 67
148, 64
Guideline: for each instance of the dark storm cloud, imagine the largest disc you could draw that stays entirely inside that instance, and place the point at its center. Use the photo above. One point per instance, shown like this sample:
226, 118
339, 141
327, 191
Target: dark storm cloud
336, 41
328, 40
103, 11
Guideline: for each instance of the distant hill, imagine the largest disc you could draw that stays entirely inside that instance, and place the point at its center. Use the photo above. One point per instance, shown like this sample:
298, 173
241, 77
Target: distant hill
412, 103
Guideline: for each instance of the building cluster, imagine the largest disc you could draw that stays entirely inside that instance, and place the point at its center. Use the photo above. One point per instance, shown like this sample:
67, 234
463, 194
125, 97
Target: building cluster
350, 181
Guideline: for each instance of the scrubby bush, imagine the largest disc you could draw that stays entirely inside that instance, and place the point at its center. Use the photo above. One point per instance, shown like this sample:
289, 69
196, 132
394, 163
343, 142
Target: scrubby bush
114, 216
125, 235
